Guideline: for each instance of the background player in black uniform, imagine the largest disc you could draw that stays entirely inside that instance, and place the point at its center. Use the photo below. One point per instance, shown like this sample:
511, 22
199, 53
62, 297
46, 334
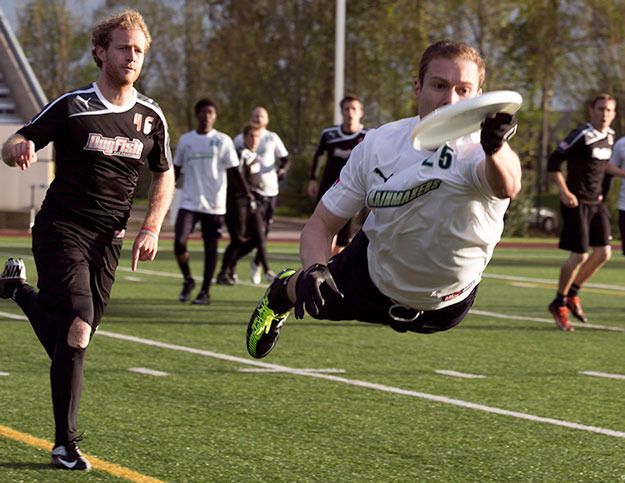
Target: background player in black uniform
338, 141
586, 221
103, 133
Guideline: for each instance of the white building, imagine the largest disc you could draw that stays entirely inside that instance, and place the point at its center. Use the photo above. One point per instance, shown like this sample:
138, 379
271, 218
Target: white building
21, 97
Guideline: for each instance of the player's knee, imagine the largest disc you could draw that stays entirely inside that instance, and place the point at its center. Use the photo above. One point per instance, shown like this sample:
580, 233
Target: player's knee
606, 253
79, 334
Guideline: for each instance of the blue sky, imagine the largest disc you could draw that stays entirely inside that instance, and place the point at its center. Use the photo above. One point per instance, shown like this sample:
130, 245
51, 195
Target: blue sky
10, 7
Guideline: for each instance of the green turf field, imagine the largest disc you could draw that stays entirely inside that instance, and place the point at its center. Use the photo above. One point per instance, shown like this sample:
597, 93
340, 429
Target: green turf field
334, 402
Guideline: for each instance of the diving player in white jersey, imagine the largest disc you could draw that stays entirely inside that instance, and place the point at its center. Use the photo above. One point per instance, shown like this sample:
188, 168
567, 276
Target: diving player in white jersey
435, 219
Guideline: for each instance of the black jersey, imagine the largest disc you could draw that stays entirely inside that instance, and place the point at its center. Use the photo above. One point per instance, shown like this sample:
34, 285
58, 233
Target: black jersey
338, 144
99, 150
586, 151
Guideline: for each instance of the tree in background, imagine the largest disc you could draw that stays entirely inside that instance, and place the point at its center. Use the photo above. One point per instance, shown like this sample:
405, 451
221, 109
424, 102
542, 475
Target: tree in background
244, 53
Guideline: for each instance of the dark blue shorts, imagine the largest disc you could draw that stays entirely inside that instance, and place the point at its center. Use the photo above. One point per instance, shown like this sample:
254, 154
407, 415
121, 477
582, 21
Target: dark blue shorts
364, 302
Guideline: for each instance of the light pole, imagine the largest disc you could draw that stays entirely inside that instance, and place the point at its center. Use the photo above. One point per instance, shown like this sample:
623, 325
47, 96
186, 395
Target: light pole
339, 60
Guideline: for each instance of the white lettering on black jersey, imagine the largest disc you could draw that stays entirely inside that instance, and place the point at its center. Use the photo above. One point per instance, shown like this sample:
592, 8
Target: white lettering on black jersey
99, 150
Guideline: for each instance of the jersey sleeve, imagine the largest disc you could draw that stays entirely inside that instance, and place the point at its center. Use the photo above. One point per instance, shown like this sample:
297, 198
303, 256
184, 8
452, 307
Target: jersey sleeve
228, 155
281, 151
618, 154
179, 154
159, 158
321, 148
348, 194
48, 125
561, 153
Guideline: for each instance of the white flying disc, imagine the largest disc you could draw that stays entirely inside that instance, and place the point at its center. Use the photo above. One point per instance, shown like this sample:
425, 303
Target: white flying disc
456, 120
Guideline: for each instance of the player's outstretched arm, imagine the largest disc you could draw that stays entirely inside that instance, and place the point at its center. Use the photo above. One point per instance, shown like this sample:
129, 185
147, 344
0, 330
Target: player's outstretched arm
614, 170
145, 246
19, 151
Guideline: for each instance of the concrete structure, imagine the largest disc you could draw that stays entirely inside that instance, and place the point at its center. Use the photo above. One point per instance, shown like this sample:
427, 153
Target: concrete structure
21, 97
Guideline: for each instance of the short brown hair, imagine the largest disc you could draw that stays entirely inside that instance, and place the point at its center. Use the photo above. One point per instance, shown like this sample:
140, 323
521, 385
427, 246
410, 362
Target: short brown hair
128, 20
602, 96
349, 98
452, 50
249, 128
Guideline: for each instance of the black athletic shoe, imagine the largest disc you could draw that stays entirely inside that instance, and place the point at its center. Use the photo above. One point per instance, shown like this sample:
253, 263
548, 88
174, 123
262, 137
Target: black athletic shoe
225, 279
187, 287
68, 457
13, 276
202, 298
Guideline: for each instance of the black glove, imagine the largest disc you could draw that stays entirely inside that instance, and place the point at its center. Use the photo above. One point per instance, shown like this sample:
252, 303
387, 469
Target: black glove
308, 290
496, 130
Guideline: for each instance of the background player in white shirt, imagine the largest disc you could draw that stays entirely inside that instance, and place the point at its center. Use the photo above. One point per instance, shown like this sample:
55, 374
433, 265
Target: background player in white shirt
202, 156
618, 160
274, 163
435, 219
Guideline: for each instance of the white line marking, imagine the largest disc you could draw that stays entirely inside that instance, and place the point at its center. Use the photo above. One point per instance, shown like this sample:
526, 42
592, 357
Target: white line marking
618, 288
444, 372
4, 373
370, 385
318, 371
148, 372
545, 320
358, 383
603, 374
130, 278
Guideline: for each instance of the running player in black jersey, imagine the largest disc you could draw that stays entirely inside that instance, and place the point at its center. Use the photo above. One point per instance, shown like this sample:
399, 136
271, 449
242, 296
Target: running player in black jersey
338, 141
103, 133
586, 222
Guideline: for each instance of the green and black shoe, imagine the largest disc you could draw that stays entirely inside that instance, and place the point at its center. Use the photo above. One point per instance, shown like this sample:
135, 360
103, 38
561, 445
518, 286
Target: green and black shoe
264, 327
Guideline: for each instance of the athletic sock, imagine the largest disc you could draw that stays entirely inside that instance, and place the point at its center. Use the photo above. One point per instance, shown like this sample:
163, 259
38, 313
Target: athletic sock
574, 290
560, 300
278, 296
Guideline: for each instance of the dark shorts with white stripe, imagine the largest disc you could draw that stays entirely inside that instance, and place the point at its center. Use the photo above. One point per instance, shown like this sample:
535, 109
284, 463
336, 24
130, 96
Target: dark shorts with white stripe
364, 302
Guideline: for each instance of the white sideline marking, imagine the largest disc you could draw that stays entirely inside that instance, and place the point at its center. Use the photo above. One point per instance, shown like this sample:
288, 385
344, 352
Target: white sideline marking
148, 372
545, 320
358, 383
4, 373
603, 374
618, 288
318, 371
370, 385
130, 278
444, 372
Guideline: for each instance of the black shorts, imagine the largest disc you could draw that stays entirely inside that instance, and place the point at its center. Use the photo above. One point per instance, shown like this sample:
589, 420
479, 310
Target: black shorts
363, 301
185, 224
587, 225
76, 269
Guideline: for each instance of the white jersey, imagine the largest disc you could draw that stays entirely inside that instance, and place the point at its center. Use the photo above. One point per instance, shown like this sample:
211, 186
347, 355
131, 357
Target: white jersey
618, 160
434, 220
203, 159
270, 148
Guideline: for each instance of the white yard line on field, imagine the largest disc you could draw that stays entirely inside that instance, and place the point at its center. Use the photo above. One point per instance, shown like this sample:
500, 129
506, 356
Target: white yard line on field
148, 372
462, 375
607, 375
320, 371
358, 383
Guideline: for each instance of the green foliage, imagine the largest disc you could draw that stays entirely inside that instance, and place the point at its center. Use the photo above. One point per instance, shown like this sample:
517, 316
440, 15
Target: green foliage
281, 55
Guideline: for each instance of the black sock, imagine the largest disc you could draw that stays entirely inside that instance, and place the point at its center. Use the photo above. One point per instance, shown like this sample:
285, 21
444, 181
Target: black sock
560, 300
573, 291
279, 297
